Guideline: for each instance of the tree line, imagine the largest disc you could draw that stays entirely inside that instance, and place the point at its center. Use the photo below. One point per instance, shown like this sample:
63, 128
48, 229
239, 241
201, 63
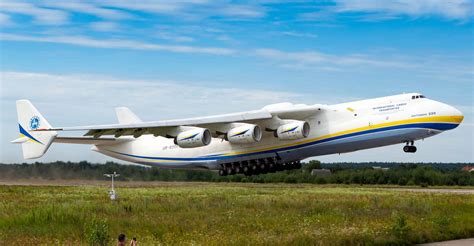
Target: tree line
421, 174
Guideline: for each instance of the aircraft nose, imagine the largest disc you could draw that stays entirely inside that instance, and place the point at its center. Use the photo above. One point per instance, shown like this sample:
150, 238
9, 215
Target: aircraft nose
456, 113
450, 115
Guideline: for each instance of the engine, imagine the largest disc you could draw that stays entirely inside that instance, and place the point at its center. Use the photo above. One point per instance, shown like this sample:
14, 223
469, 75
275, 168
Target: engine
247, 133
293, 130
193, 138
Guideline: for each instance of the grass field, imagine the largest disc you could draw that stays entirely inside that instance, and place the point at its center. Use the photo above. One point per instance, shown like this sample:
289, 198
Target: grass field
236, 214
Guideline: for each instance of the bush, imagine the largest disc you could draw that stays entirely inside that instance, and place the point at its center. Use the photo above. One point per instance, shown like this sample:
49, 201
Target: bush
312, 165
400, 229
402, 181
290, 179
97, 232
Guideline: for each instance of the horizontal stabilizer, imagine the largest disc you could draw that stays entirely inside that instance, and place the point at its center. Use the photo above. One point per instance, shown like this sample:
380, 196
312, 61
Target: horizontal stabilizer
19, 140
90, 140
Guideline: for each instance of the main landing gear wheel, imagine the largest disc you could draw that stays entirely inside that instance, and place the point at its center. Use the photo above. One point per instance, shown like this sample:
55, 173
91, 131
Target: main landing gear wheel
238, 169
230, 171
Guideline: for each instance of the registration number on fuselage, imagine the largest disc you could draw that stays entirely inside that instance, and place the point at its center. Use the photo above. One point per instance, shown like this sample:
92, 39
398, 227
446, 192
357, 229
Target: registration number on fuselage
170, 147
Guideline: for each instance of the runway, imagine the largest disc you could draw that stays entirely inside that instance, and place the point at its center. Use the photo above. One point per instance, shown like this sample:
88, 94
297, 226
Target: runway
436, 190
460, 242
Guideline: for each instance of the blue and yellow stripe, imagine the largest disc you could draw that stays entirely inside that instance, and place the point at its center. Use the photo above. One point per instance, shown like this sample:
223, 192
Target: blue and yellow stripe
24, 133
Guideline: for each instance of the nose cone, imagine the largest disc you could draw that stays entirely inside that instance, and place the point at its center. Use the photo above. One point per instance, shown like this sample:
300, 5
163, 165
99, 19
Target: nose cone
454, 116
457, 115
446, 114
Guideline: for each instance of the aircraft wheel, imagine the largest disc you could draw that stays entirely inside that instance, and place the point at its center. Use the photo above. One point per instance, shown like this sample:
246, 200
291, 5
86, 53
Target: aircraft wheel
254, 168
271, 168
238, 170
409, 149
222, 172
230, 171
263, 168
406, 149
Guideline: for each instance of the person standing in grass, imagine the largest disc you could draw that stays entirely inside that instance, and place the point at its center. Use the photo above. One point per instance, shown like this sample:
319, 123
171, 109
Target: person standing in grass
121, 240
133, 242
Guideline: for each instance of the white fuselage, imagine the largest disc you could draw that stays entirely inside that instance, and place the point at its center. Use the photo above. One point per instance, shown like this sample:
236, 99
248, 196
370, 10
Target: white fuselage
344, 128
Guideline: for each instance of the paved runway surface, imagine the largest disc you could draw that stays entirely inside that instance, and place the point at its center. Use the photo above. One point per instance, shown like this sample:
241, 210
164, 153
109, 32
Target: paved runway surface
437, 190
460, 242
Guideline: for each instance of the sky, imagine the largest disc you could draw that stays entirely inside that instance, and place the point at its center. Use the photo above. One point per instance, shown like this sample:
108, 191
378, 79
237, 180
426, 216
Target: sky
78, 60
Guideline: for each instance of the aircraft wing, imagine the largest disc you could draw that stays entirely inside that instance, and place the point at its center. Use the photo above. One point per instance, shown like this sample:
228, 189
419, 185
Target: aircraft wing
267, 117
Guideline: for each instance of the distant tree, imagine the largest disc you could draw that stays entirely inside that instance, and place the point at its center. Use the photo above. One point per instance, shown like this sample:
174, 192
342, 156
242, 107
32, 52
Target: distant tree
313, 164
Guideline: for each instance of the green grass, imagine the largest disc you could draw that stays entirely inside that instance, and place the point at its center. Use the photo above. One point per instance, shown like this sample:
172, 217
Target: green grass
236, 214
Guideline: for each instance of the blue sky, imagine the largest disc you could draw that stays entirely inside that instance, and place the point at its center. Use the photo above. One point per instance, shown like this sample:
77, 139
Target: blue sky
77, 60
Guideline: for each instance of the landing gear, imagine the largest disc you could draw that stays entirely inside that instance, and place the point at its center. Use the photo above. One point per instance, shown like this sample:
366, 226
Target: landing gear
247, 171
222, 172
409, 148
238, 169
230, 171
256, 167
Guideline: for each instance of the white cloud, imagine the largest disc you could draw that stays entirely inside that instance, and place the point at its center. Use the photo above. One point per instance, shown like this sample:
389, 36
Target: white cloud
173, 37
51, 12
247, 11
311, 58
5, 20
89, 8
298, 34
189, 9
105, 26
430, 67
450, 9
116, 44
43, 16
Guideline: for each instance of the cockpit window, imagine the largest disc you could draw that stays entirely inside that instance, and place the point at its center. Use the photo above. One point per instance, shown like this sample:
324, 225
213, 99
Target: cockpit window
417, 97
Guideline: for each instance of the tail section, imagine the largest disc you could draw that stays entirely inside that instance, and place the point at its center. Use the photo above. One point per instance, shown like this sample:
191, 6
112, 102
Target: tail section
34, 143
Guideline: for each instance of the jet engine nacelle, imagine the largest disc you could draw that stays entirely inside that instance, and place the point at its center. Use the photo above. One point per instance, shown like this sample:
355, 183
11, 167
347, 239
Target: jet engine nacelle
193, 138
247, 133
293, 130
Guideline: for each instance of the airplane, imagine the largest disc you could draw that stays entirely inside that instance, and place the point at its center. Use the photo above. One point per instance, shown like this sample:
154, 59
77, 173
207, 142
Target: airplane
274, 138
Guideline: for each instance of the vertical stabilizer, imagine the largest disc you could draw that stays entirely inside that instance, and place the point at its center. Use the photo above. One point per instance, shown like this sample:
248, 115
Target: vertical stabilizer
126, 116
34, 143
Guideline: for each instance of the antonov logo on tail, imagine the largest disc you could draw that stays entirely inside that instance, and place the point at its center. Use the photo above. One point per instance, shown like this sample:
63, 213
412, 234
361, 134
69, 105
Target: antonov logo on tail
325, 129
34, 122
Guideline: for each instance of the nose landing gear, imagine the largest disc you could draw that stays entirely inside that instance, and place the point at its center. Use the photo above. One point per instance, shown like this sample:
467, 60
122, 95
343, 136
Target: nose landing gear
409, 148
